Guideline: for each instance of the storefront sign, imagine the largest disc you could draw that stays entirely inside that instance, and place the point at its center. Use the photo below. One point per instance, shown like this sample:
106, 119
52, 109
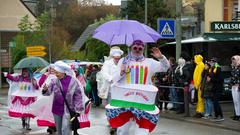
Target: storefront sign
225, 26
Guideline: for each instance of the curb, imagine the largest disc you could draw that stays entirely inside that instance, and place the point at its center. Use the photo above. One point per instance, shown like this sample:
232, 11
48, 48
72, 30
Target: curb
215, 124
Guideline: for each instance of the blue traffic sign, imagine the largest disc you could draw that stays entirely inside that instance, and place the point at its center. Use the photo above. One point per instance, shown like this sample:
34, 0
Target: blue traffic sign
166, 28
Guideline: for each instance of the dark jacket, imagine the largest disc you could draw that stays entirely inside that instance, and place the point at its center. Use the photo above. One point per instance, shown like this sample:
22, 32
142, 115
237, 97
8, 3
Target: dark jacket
217, 79
235, 75
184, 78
171, 74
206, 87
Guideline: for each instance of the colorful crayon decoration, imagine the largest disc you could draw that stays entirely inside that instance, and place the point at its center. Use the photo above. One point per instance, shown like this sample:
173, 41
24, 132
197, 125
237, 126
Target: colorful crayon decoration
128, 75
132, 74
21, 86
141, 75
145, 75
25, 87
136, 74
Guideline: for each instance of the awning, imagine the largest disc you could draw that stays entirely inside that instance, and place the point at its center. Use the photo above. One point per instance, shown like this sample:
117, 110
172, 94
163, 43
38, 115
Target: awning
211, 37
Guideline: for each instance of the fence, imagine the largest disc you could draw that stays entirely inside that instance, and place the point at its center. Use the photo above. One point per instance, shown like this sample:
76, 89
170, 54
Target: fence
186, 97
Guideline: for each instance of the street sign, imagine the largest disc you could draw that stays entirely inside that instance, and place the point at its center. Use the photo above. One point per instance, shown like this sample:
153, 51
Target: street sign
166, 28
40, 54
225, 26
35, 48
36, 51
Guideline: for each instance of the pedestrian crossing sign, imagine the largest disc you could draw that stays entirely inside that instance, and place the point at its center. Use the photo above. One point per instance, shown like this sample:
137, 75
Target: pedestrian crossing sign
166, 28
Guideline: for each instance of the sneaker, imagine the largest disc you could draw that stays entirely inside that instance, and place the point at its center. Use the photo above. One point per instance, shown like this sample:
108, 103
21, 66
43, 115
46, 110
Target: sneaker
23, 123
236, 118
113, 131
219, 119
206, 117
173, 109
198, 115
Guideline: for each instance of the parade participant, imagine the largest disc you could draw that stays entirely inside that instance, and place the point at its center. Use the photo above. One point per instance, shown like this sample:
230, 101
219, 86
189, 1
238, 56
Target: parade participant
108, 70
79, 74
235, 82
105, 76
133, 94
22, 95
217, 88
69, 87
42, 107
197, 78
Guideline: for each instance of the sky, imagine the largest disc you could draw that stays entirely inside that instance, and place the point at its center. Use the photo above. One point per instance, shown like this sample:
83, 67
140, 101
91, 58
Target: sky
114, 2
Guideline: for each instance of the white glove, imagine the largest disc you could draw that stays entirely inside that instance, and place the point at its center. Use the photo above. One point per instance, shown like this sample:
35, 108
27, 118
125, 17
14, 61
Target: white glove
5, 74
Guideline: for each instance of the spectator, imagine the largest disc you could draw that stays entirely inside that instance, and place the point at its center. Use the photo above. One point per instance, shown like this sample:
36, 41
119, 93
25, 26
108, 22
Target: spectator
217, 80
206, 87
163, 93
197, 78
183, 78
235, 82
171, 82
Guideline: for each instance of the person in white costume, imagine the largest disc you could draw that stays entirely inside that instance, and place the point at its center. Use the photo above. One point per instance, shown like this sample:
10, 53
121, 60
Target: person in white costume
43, 106
134, 73
106, 74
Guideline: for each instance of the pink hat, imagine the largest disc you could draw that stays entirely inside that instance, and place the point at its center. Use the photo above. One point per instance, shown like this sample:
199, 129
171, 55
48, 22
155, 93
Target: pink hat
138, 42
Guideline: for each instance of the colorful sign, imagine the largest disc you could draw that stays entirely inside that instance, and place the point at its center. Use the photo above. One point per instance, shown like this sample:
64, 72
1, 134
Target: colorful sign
36, 51
166, 28
40, 54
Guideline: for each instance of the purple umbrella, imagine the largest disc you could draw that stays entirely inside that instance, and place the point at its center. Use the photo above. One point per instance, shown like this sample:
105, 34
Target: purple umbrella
125, 32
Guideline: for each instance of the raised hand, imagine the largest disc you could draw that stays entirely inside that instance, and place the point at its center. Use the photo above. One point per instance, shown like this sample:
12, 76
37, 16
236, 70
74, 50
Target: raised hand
45, 88
156, 53
5, 74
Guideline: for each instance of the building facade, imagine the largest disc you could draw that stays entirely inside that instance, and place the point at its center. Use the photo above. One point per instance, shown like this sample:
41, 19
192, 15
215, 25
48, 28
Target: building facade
11, 13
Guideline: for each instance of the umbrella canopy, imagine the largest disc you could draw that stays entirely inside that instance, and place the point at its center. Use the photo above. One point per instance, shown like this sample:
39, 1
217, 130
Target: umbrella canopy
125, 32
31, 62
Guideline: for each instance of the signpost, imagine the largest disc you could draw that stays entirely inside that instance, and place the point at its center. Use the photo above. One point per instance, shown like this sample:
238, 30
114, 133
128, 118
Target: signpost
166, 28
36, 51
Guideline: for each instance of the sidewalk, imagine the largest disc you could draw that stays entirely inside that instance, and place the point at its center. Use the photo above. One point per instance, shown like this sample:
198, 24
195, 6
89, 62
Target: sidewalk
227, 124
4, 90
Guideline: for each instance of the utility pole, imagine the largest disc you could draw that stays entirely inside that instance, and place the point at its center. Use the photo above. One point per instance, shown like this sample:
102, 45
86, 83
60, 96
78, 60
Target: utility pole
178, 28
0, 62
145, 21
51, 33
238, 5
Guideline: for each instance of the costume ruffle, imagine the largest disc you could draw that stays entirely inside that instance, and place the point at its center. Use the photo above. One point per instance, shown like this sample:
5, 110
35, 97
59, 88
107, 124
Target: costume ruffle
119, 116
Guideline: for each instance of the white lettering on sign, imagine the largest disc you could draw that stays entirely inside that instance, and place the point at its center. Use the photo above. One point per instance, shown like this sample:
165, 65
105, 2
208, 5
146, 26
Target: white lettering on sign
218, 26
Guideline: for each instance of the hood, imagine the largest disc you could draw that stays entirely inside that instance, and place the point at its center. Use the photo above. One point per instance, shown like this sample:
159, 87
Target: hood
198, 59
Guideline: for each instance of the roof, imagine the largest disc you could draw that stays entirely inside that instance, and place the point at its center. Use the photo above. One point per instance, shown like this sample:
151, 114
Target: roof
11, 12
212, 37
82, 39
